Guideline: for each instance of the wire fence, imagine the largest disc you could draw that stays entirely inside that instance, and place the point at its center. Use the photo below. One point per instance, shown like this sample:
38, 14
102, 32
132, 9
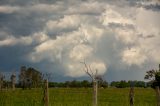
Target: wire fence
76, 97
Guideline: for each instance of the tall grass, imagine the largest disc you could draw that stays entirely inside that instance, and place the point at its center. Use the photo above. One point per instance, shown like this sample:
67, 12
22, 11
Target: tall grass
77, 97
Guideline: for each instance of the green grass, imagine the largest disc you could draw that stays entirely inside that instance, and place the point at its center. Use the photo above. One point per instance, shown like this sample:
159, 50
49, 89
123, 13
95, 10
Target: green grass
77, 97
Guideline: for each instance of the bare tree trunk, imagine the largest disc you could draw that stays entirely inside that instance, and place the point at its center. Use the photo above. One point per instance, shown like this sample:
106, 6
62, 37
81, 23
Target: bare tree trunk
95, 85
131, 96
158, 95
46, 93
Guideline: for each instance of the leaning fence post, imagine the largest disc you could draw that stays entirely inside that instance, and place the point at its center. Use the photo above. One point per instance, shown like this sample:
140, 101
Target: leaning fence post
158, 95
131, 94
46, 93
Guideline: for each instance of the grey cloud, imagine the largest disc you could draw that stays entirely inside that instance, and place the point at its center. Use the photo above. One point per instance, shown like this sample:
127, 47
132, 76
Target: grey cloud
27, 2
60, 30
154, 7
19, 25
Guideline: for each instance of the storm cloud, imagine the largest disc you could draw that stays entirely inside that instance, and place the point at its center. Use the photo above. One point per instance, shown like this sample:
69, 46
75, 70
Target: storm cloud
118, 38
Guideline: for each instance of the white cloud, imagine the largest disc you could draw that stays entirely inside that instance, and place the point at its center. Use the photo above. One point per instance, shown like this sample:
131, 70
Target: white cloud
92, 33
45, 8
81, 52
10, 40
35, 8
8, 9
7, 41
141, 36
90, 7
147, 22
151, 46
79, 34
128, 36
133, 56
39, 37
70, 49
99, 66
112, 16
67, 22
77, 69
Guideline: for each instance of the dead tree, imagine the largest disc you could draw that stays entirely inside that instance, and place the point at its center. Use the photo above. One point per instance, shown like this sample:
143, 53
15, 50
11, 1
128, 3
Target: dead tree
13, 81
94, 77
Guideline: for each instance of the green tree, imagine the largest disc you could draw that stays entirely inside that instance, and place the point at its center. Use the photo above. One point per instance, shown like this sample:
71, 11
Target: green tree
86, 84
139, 83
35, 76
154, 77
113, 84
101, 82
120, 84
30, 77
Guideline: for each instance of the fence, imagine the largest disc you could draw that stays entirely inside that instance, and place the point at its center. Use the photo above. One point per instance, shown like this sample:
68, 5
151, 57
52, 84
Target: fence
77, 97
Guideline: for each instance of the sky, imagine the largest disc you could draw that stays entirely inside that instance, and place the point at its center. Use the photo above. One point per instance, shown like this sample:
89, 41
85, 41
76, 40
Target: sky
119, 38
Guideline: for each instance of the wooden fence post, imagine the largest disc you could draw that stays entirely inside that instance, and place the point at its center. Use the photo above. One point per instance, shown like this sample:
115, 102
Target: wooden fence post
158, 95
46, 93
1, 80
1, 83
131, 94
13, 81
95, 86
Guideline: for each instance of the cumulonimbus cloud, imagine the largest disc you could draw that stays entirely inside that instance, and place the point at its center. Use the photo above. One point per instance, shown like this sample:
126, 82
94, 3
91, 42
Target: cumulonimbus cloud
100, 32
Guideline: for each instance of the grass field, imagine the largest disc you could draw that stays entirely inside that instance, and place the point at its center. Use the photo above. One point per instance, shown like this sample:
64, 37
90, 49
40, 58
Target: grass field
77, 97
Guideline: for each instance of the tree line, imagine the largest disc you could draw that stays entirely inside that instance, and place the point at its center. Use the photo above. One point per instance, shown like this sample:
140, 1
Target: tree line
77, 84
124, 84
32, 78
103, 84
